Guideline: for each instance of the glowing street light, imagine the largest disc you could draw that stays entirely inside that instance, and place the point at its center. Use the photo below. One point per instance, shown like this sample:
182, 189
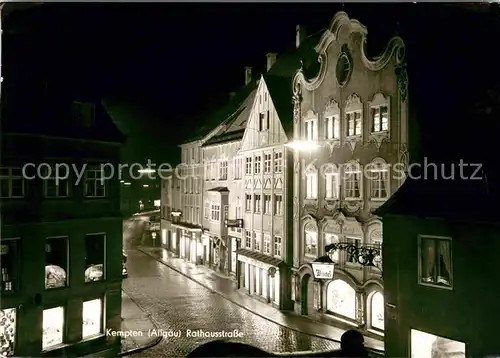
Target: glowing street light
122, 181
127, 183
303, 145
146, 185
146, 171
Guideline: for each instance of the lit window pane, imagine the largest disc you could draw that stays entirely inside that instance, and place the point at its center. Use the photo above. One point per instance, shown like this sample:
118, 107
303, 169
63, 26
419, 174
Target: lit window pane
92, 318
53, 324
8, 331
426, 345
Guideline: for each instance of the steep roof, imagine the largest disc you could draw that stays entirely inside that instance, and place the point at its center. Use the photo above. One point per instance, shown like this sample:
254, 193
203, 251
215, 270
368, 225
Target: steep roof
280, 90
469, 197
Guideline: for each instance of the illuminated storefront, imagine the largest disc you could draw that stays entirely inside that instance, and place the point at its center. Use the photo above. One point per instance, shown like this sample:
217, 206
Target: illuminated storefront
164, 237
426, 345
8, 322
341, 299
92, 318
376, 304
53, 327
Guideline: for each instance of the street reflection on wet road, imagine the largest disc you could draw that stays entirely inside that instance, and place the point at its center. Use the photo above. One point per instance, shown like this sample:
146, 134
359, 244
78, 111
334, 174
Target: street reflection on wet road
177, 303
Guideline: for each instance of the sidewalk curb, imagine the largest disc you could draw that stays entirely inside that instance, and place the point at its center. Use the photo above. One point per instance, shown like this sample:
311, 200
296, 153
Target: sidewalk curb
233, 301
153, 343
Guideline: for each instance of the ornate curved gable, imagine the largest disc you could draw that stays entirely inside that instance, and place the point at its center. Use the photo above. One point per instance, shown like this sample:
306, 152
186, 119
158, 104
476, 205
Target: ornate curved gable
394, 51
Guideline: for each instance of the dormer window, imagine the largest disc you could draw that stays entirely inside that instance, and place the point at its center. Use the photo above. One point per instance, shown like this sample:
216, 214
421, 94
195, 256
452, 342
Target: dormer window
353, 123
84, 113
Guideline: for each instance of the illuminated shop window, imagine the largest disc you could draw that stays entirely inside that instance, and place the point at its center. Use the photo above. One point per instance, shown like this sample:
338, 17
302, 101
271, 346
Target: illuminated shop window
94, 258
56, 262
426, 345
7, 332
92, 318
377, 311
341, 299
53, 327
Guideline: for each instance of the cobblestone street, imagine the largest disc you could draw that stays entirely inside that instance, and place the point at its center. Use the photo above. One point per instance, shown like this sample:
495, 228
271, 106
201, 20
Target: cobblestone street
178, 304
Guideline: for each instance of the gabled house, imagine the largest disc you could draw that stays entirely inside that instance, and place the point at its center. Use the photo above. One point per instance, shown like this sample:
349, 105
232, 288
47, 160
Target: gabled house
266, 257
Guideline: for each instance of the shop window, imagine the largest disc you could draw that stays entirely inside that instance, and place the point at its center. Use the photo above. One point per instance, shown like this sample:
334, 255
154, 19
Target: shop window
7, 332
9, 264
426, 345
341, 299
56, 262
53, 327
94, 258
92, 318
377, 311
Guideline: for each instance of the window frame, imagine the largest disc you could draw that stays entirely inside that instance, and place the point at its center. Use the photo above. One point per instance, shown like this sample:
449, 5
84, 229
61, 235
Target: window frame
332, 184
104, 271
94, 181
311, 174
266, 247
268, 163
357, 242
420, 238
278, 204
248, 202
67, 263
215, 208
248, 239
310, 229
257, 168
102, 318
276, 243
248, 165
10, 177
257, 203
278, 162
268, 204
359, 171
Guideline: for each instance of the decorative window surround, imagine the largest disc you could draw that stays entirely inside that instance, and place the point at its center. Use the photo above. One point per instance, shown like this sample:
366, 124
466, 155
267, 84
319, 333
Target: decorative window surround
354, 107
311, 181
332, 184
375, 104
379, 178
310, 126
353, 181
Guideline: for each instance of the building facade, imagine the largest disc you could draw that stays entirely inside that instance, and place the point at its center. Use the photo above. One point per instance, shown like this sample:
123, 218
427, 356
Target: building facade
170, 211
61, 237
354, 112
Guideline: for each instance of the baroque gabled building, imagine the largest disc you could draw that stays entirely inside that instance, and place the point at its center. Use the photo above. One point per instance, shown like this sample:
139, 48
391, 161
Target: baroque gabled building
354, 111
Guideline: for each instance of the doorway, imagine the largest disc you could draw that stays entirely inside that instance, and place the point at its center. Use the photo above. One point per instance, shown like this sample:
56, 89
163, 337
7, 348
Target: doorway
304, 296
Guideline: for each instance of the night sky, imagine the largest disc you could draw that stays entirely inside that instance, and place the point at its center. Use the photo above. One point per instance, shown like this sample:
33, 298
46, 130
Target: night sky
160, 67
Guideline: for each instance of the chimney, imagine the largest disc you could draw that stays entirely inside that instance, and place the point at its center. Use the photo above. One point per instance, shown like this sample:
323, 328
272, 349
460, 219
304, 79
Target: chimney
231, 95
300, 35
271, 59
248, 75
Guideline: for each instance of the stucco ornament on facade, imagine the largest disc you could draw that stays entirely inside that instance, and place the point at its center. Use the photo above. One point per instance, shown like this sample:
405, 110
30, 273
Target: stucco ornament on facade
332, 108
395, 49
296, 100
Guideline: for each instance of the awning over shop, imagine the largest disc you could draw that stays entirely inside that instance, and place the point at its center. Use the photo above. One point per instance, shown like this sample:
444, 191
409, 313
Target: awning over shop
258, 259
219, 189
187, 226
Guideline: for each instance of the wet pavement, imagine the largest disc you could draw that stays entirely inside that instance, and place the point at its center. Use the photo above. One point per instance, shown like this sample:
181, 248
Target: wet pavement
180, 306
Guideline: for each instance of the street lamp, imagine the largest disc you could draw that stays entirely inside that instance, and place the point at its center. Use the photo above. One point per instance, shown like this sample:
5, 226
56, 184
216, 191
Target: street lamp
323, 268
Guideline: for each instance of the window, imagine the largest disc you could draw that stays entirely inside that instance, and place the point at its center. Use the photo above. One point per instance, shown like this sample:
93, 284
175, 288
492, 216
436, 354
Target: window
8, 327
248, 202
278, 162
84, 113
380, 118
262, 118
331, 183
226, 212
54, 187
332, 127
256, 241
267, 163
379, 180
278, 204
427, 345
267, 204
92, 318
311, 130
223, 170
215, 212
277, 246
53, 327
352, 257
56, 262
213, 170
94, 257
11, 183
248, 239
206, 210
435, 261
311, 242
248, 166
237, 168
257, 164
332, 239
341, 299
377, 311
352, 180
267, 244
9, 258
311, 183
95, 184
257, 203
353, 123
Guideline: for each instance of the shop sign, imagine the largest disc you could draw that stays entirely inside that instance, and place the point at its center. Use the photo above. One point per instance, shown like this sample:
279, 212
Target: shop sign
322, 270
234, 223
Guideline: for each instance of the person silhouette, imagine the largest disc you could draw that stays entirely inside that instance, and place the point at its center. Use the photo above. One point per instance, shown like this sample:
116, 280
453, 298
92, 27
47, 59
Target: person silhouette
352, 344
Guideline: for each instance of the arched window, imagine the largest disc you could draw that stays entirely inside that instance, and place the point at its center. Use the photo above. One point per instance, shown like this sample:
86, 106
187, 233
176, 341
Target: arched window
311, 182
378, 172
311, 240
377, 311
341, 299
331, 182
353, 181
